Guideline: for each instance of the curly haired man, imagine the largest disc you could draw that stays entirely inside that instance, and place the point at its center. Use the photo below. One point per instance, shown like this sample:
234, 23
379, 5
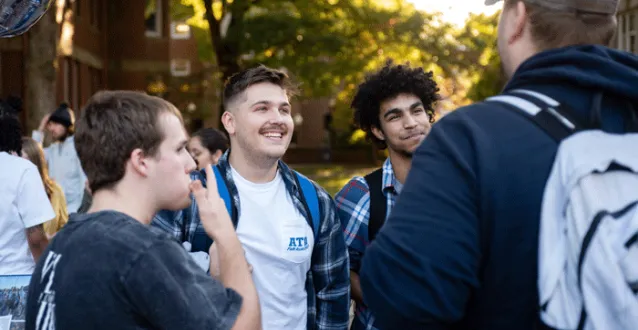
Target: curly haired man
394, 106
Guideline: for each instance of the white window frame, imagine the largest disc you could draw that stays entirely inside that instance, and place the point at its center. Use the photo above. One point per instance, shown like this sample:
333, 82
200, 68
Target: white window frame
157, 33
175, 67
180, 35
624, 34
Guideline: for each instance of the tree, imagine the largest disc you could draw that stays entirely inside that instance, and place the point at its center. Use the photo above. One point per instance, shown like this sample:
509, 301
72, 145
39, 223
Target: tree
40, 60
479, 36
327, 45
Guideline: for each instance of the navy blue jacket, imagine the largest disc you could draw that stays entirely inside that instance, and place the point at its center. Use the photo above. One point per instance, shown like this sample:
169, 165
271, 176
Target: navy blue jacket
459, 250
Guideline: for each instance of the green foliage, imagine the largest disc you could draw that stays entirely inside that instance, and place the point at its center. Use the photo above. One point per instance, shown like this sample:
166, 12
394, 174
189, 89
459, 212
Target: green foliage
330, 45
480, 37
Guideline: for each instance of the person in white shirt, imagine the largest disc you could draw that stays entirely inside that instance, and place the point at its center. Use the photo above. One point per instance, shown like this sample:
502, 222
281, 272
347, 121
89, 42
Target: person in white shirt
64, 164
24, 205
299, 258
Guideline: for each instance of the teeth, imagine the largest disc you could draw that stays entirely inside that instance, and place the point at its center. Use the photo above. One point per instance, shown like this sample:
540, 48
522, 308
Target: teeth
274, 135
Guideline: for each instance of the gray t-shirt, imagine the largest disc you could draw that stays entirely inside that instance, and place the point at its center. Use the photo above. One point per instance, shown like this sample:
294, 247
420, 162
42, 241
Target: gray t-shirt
108, 271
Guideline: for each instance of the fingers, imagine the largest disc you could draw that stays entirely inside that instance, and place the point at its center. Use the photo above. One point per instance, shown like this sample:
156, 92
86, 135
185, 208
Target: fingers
199, 192
211, 183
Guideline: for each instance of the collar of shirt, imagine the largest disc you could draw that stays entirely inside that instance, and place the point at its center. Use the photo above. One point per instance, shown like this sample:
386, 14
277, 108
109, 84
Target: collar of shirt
389, 181
287, 175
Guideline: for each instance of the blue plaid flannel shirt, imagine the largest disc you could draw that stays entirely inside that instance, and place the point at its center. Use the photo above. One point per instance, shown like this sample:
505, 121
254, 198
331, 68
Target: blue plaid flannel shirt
353, 207
327, 282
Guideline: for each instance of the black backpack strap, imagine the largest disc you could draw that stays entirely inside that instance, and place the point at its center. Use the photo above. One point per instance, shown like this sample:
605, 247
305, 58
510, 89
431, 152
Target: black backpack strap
556, 119
378, 203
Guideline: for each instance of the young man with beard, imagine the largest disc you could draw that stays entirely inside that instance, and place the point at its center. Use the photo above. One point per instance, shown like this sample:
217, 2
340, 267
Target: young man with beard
300, 270
108, 269
461, 247
394, 107
62, 159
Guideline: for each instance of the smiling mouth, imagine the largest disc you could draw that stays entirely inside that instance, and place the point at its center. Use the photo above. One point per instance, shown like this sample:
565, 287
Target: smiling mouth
275, 136
412, 136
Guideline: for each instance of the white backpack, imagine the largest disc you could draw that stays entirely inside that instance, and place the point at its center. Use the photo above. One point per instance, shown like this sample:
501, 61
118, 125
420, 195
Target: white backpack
588, 244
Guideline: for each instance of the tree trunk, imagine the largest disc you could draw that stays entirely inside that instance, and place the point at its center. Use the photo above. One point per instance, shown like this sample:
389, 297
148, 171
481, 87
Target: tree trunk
41, 55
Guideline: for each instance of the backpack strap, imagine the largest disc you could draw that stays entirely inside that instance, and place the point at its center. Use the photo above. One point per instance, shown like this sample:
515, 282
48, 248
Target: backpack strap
554, 118
310, 200
201, 242
378, 203
224, 193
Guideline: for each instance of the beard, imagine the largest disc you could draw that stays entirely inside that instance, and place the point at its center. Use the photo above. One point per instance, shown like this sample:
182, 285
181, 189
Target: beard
253, 153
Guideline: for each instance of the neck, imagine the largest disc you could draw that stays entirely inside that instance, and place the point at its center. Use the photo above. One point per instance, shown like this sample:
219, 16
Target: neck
132, 202
400, 165
252, 170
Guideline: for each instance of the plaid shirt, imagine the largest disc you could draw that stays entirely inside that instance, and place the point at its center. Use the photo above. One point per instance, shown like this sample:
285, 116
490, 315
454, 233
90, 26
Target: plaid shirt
327, 282
353, 207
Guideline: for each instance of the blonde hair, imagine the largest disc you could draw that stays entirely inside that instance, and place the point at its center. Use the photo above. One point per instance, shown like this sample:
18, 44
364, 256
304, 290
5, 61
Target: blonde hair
35, 154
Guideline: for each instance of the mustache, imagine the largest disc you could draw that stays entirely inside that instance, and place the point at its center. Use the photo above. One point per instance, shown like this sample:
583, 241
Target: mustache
274, 128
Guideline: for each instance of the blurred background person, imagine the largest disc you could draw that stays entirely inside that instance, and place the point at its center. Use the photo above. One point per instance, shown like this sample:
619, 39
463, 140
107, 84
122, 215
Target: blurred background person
62, 159
32, 151
207, 145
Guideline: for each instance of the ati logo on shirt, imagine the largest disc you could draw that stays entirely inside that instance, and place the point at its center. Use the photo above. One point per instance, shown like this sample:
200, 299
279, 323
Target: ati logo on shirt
298, 244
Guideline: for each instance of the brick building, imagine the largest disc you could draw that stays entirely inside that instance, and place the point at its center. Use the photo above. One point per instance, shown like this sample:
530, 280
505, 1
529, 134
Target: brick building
627, 35
111, 44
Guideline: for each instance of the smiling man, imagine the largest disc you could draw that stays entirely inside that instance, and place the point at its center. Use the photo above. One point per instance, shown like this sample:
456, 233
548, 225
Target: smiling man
394, 108
299, 257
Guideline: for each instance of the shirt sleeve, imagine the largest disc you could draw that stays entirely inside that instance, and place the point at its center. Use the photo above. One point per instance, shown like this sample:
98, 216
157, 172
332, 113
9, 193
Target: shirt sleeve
422, 267
171, 292
38, 136
353, 209
32, 201
331, 275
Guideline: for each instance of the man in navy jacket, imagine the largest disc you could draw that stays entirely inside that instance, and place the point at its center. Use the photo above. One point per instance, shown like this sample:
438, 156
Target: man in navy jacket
459, 250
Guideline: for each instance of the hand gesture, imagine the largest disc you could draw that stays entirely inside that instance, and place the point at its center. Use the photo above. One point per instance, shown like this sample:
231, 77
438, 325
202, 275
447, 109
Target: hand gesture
212, 209
43, 122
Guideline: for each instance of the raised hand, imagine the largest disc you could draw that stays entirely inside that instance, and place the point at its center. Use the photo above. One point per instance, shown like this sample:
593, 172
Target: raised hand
212, 210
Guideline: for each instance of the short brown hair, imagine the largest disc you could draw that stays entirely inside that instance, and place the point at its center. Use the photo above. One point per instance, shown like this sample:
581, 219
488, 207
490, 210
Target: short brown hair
240, 81
111, 126
555, 29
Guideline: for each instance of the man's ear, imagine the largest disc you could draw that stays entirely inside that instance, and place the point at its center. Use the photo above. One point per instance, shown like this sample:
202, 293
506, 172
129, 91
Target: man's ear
518, 22
228, 120
378, 133
139, 163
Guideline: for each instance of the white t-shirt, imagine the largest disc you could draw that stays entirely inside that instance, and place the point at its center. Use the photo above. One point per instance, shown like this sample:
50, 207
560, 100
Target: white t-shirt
278, 242
23, 204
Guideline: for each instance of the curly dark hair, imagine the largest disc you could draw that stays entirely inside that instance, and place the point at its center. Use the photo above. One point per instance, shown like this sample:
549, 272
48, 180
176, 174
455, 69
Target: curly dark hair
10, 128
387, 83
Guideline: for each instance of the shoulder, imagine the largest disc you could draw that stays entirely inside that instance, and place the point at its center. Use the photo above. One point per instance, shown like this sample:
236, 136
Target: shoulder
120, 229
15, 164
354, 191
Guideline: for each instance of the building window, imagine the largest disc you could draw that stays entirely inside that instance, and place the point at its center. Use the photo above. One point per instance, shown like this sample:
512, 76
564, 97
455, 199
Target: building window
153, 18
628, 32
180, 30
180, 68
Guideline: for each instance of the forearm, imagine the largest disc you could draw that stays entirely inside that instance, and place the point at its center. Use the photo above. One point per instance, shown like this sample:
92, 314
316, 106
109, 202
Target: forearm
355, 288
38, 241
234, 274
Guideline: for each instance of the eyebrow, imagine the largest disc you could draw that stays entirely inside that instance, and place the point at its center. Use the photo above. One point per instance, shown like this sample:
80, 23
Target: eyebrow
268, 103
395, 111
